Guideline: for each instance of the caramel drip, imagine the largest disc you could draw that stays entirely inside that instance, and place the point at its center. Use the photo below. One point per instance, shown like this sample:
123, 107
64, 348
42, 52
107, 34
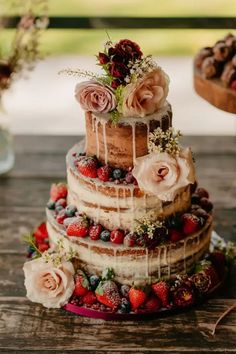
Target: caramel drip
134, 142
105, 141
97, 138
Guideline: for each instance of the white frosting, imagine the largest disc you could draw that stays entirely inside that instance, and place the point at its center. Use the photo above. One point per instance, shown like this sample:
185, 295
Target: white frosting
137, 268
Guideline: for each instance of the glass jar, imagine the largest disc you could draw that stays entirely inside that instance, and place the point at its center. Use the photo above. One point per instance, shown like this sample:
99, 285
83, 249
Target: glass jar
7, 157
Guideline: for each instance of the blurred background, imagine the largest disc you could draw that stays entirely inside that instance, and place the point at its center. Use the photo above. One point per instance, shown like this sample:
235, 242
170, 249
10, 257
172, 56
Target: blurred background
44, 103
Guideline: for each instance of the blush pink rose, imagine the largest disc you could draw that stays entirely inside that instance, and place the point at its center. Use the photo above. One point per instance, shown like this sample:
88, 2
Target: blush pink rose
95, 97
146, 95
163, 175
49, 285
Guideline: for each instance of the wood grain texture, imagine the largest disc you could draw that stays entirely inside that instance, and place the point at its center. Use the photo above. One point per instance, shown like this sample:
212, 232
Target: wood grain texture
30, 328
215, 92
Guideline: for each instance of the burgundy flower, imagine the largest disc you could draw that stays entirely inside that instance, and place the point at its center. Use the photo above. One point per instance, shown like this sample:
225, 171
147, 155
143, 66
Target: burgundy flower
103, 58
118, 70
115, 83
201, 281
5, 71
183, 296
128, 50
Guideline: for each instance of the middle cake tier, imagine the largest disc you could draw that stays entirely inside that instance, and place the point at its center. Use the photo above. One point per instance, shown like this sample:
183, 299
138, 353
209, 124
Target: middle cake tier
117, 205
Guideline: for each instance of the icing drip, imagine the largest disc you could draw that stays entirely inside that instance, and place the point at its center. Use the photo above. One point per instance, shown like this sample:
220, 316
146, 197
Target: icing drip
148, 131
131, 188
118, 204
134, 142
105, 141
184, 256
97, 138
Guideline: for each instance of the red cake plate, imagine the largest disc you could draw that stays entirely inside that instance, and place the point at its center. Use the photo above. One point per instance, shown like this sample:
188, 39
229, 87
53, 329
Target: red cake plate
141, 314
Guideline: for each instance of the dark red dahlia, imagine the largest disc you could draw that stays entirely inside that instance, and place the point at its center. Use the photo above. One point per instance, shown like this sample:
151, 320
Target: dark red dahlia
183, 296
103, 58
118, 70
115, 83
202, 282
129, 50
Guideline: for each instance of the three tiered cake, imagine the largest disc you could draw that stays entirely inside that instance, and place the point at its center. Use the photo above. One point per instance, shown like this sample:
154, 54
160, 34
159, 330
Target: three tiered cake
130, 232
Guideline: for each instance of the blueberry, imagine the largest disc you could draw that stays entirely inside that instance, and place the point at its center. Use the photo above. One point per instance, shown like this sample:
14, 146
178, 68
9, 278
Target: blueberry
94, 281
105, 235
125, 290
195, 199
30, 250
117, 173
174, 222
124, 306
58, 208
70, 211
51, 205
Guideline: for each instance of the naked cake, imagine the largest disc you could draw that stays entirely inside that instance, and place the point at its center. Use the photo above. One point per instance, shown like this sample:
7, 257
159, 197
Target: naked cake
129, 233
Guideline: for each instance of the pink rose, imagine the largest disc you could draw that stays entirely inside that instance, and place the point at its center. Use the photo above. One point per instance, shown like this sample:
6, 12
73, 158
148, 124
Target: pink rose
95, 97
162, 175
146, 95
49, 285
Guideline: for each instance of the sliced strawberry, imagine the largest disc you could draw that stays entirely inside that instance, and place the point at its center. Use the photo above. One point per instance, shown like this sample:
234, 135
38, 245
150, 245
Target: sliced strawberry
78, 227
191, 223
104, 173
107, 294
81, 284
95, 231
137, 297
153, 303
87, 166
58, 191
89, 298
162, 291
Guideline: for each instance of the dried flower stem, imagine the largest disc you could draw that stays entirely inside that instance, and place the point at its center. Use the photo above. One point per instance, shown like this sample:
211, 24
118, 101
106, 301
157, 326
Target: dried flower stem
223, 315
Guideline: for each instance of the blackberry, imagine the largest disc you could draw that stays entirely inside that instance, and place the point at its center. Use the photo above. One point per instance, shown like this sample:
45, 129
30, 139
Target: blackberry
117, 173
125, 306
94, 281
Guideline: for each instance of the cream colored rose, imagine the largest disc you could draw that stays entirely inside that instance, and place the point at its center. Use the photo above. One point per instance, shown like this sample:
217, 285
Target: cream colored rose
146, 95
49, 285
95, 97
162, 175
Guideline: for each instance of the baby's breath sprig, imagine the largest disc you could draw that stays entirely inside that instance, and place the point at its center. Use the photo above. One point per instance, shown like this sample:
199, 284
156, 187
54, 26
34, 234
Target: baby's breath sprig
147, 226
59, 254
164, 141
139, 68
83, 73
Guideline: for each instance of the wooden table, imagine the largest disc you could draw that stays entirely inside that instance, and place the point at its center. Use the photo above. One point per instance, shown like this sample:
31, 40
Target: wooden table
30, 328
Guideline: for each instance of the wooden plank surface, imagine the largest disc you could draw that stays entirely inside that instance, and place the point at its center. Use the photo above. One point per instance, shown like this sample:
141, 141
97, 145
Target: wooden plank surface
30, 328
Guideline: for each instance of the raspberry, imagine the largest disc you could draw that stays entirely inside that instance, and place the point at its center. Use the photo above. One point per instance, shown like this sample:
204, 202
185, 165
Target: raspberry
175, 235
190, 223
95, 231
104, 173
61, 216
117, 236
129, 240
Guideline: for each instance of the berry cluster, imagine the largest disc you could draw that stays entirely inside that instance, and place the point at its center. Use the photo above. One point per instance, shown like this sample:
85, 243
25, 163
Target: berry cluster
104, 294
40, 242
116, 58
176, 227
89, 166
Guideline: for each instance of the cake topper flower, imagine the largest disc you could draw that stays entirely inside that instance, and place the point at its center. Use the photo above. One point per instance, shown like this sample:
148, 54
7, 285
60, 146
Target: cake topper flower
132, 85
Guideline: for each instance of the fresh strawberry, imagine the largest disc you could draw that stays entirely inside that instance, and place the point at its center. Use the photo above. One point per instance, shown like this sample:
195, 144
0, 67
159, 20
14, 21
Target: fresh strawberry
58, 191
137, 297
175, 235
95, 231
190, 223
233, 85
107, 293
202, 192
41, 233
61, 216
89, 298
87, 166
117, 236
81, 284
153, 303
104, 173
162, 291
43, 247
78, 227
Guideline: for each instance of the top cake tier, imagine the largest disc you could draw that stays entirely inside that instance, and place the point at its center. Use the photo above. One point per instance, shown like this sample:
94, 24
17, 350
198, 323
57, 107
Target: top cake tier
120, 144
